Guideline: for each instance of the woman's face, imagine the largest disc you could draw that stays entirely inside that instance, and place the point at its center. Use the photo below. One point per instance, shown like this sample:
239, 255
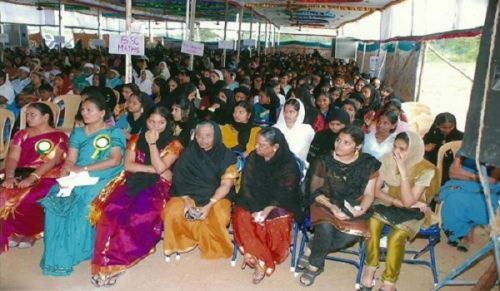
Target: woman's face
345, 145
359, 85
335, 126
367, 93
176, 113
323, 103
35, 79
350, 110
192, 96
446, 128
400, 146
155, 88
336, 95
290, 114
241, 115
134, 105
205, 137
264, 99
172, 85
263, 148
384, 125
201, 86
222, 97
126, 92
162, 66
156, 122
214, 77
91, 113
95, 81
258, 82
58, 81
35, 118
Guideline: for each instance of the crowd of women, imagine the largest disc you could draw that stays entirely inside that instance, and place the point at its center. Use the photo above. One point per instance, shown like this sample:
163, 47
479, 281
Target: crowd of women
271, 141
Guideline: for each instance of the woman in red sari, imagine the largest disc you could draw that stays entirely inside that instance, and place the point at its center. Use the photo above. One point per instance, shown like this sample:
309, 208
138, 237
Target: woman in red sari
268, 201
127, 211
30, 171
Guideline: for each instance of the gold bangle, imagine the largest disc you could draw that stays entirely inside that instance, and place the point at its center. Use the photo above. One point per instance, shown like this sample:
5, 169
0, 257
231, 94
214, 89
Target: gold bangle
35, 175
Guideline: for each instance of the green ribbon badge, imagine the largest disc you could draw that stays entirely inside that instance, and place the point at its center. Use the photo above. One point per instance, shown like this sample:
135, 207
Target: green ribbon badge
44, 146
101, 143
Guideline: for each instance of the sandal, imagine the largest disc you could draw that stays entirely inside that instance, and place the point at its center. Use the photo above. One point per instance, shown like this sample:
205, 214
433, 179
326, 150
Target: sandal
463, 246
302, 264
97, 280
309, 275
258, 275
111, 280
248, 260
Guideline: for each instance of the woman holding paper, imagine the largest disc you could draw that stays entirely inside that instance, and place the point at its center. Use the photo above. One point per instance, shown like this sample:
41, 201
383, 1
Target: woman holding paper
127, 213
268, 201
406, 179
341, 187
31, 169
95, 149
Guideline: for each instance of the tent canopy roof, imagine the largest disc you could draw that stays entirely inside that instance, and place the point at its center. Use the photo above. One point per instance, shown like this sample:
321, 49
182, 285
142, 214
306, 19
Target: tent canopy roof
329, 14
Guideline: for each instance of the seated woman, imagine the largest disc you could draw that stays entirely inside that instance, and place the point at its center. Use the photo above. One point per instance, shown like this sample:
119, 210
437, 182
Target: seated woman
324, 140
198, 213
128, 218
241, 134
464, 203
443, 130
222, 109
135, 120
185, 119
96, 149
265, 108
298, 134
31, 169
323, 103
379, 142
268, 201
341, 188
406, 181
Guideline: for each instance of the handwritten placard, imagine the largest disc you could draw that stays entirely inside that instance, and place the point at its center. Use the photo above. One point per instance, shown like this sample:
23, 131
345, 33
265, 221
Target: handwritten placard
249, 42
226, 44
95, 43
4, 38
59, 39
126, 45
192, 48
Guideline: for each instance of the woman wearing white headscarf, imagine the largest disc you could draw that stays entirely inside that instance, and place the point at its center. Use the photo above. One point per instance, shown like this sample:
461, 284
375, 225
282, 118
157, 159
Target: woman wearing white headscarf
298, 134
145, 81
165, 72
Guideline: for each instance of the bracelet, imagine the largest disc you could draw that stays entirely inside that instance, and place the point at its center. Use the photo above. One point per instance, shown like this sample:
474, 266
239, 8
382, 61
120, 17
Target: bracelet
35, 175
213, 200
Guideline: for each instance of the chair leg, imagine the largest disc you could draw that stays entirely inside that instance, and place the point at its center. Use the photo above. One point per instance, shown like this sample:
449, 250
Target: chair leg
293, 248
432, 243
362, 256
235, 253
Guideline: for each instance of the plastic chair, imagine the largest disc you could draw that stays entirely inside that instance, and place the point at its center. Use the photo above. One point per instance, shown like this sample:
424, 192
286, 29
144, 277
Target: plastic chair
53, 106
413, 109
421, 123
5, 131
71, 106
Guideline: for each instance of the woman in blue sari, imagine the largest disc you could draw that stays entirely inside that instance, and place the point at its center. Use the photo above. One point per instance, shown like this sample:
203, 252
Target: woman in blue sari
69, 237
464, 203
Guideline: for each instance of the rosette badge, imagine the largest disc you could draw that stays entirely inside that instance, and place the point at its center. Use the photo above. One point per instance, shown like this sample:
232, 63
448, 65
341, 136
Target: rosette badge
44, 147
101, 143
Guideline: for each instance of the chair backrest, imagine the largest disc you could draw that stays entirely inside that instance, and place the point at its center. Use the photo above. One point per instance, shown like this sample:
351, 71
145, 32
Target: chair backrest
53, 106
71, 105
454, 146
413, 109
5, 131
421, 123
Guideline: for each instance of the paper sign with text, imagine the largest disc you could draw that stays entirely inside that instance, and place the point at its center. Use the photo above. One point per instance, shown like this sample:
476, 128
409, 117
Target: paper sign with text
4, 38
226, 44
192, 48
123, 45
249, 42
59, 39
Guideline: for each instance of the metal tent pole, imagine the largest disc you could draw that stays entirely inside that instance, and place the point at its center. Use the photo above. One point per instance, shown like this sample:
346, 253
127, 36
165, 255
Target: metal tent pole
238, 44
191, 30
128, 24
225, 34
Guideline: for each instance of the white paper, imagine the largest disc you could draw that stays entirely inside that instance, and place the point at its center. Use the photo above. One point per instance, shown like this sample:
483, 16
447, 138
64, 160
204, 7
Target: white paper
226, 44
67, 183
123, 45
4, 38
192, 48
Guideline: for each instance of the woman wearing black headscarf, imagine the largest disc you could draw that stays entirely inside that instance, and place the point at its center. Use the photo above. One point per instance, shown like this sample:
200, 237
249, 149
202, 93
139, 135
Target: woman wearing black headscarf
223, 107
324, 140
268, 201
305, 96
198, 213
